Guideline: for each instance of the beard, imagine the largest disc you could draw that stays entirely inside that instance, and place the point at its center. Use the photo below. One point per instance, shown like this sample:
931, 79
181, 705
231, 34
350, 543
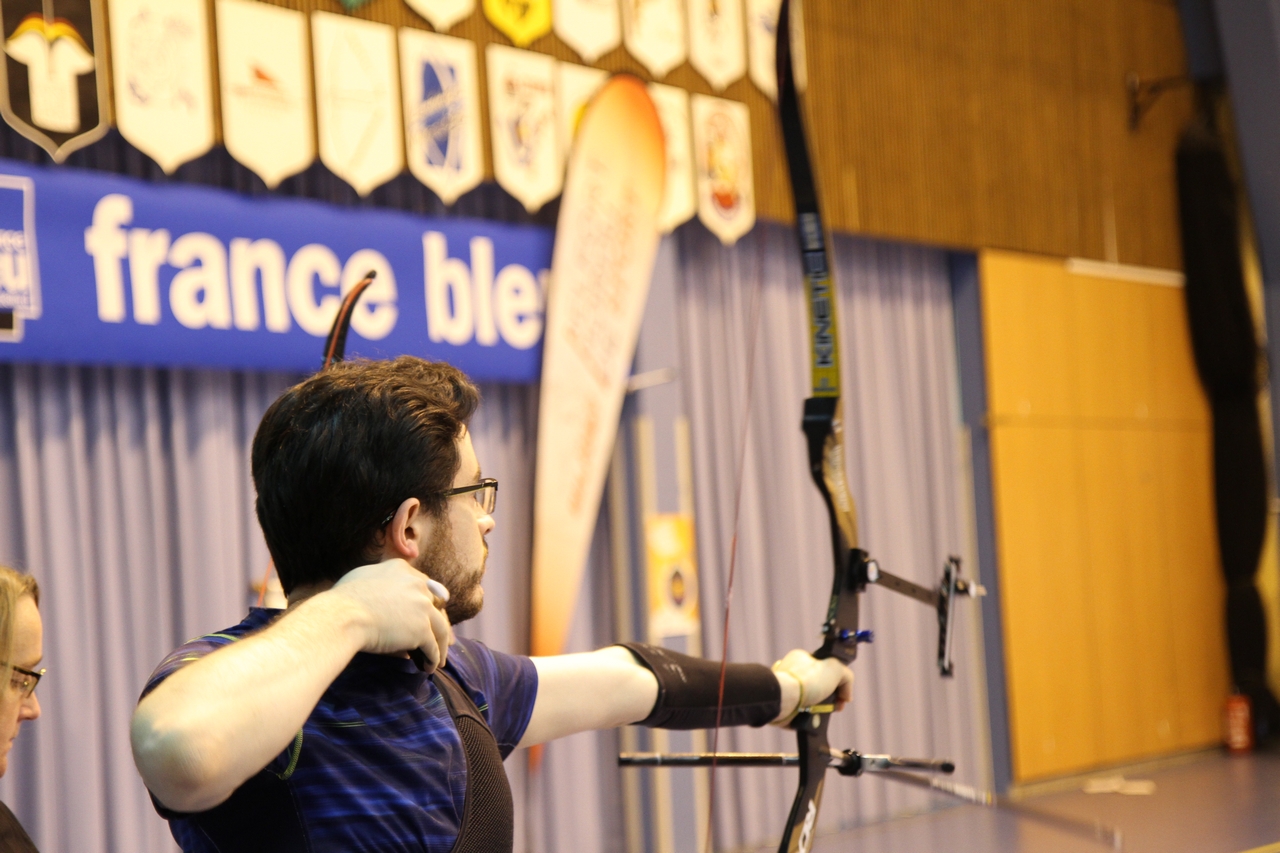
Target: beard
440, 562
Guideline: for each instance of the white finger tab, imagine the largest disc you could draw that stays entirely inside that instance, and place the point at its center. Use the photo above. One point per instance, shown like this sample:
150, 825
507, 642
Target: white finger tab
438, 590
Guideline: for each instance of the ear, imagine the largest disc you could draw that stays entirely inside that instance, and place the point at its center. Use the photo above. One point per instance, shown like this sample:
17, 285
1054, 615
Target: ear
407, 531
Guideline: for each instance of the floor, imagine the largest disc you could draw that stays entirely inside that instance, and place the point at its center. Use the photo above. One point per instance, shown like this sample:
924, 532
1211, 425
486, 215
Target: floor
1205, 803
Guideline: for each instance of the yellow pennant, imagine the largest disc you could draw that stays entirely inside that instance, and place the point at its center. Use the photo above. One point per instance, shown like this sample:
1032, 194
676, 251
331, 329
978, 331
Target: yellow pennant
522, 21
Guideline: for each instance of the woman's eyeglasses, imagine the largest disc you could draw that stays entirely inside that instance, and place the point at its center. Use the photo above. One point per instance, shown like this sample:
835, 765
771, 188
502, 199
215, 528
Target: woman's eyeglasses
25, 680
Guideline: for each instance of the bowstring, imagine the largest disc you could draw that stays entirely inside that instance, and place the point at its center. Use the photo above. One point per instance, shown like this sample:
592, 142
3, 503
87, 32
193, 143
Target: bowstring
752, 337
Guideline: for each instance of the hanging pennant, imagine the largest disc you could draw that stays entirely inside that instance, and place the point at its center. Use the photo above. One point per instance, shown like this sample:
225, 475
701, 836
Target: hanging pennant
522, 21
679, 202
575, 84
264, 63
722, 157
55, 63
357, 99
762, 39
717, 46
522, 124
441, 112
653, 31
591, 27
164, 94
443, 14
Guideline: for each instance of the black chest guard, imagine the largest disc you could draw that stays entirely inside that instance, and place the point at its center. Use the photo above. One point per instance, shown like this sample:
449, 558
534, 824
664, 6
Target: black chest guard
488, 812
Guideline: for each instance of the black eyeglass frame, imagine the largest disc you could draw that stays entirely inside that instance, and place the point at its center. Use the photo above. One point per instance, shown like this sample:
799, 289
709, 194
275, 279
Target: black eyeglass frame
486, 483
34, 676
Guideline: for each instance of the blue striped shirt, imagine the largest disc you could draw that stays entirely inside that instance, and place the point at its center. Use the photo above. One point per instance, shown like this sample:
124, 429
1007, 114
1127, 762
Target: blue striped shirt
378, 766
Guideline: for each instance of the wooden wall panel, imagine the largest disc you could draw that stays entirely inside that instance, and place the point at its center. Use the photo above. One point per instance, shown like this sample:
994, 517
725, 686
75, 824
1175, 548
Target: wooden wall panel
1000, 123
1034, 319
1184, 474
970, 123
1041, 533
1111, 586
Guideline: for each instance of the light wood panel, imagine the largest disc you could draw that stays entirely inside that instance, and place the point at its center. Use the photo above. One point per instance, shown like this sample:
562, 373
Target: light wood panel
1040, 537
1110, 583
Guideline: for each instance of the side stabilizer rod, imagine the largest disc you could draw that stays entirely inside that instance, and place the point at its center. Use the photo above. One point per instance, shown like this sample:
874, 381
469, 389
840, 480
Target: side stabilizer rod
851, 763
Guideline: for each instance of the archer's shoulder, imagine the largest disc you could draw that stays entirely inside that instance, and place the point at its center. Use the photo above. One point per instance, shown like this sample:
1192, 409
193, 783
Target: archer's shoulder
198, 647
477, 664
471, 658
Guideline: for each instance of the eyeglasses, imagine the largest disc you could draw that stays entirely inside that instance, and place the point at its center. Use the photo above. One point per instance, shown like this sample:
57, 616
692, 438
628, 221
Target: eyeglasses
486, 492
26, 680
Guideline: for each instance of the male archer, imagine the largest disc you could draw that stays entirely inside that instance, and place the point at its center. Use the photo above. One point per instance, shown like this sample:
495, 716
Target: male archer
311, 729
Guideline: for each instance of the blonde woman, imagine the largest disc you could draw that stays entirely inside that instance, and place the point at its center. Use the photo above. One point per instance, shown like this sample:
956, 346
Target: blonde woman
21, 639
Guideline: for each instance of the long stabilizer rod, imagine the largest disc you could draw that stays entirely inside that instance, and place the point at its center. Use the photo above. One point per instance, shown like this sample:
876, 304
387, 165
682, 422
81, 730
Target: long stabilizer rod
1095, 830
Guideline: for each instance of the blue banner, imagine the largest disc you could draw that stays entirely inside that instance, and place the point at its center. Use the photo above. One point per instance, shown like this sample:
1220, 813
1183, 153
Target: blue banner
98, 268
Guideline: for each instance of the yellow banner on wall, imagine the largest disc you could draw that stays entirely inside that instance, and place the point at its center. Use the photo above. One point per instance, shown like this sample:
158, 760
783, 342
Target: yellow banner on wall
522, 21
673, 576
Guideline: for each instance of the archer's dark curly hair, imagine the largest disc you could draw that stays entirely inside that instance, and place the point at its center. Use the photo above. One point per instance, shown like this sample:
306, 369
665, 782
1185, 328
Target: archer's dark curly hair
338, 452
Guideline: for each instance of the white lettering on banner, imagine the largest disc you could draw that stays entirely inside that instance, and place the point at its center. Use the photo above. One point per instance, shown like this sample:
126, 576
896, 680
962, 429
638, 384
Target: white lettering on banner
198, 294
376, 313
213, 288
448, 292
482, 279
148, 251
249, 260
464, 302
519, 306
217, 285
105, 241
310, 263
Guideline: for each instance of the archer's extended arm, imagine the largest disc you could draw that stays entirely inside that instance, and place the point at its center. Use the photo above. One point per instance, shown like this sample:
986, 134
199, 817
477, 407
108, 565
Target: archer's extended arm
650, 685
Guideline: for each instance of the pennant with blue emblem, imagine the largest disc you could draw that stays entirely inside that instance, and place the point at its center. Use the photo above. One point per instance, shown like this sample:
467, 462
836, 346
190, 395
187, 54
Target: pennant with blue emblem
441, 112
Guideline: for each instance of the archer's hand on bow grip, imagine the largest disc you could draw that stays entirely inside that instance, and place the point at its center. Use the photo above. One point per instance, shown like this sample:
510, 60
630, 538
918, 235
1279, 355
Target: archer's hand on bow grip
819, 682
